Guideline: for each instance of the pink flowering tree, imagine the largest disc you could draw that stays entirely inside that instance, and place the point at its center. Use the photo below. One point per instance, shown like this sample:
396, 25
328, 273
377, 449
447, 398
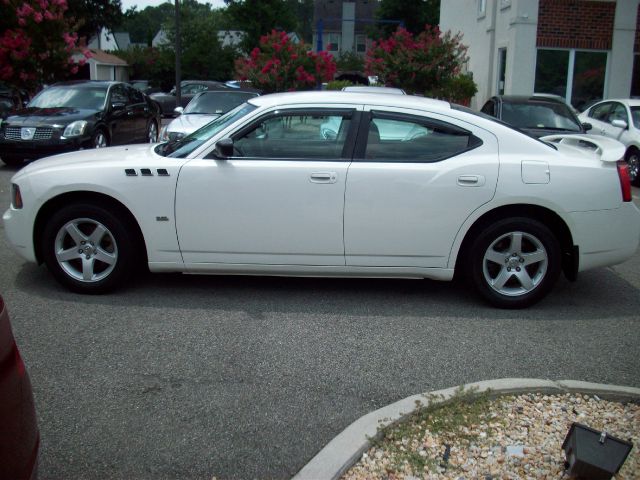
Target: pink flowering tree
279, 65
37, 43
429, 64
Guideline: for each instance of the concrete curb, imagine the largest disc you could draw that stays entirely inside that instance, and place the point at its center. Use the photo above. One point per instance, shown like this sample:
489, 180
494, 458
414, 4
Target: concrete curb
346, 448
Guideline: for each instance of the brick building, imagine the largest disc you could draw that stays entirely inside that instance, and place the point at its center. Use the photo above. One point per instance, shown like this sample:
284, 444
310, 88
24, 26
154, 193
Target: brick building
582, 50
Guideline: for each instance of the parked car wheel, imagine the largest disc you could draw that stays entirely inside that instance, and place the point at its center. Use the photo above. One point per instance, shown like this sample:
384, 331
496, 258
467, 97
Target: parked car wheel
515, 262
87, 248
100, 139
152, 132
633, 160
12, 161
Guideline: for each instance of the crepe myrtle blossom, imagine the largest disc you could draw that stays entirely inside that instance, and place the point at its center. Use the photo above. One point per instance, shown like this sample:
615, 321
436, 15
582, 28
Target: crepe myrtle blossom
278, 65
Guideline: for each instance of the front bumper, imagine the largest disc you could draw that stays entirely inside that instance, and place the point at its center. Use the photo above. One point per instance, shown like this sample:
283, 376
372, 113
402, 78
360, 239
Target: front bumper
19, 233
34, 149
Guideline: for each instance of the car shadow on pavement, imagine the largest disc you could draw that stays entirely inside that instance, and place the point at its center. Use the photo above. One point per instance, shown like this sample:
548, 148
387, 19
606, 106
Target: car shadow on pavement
584, 299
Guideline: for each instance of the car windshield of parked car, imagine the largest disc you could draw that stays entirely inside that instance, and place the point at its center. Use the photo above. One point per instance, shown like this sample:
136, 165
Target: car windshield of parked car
635, 116
548, 116
183, 147
71, 97
217, 102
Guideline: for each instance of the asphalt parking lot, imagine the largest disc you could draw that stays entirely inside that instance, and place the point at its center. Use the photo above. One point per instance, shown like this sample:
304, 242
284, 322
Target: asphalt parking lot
194, 377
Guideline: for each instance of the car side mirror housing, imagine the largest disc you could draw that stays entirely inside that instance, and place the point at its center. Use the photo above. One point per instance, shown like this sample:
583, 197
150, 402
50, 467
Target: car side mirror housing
178, 110
587, 126
224, 148
619, 123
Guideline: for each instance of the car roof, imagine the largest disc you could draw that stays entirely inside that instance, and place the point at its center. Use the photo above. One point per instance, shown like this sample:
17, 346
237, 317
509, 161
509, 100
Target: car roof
373, 89
86, 83
332, 96
538, 98
632, 102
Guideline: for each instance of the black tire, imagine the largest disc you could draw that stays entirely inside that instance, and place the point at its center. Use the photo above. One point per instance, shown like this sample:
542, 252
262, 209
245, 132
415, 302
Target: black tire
508, 276
100, 139
67, 242
12, 161
633, 160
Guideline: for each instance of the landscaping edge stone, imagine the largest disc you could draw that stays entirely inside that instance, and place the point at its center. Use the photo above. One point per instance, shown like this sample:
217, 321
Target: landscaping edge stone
349, 445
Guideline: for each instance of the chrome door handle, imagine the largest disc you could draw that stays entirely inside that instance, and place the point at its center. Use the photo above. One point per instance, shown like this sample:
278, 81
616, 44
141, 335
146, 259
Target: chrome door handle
471, 180
323, 177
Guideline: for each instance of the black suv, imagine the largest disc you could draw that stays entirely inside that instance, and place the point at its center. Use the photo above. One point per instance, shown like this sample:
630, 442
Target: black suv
74, 115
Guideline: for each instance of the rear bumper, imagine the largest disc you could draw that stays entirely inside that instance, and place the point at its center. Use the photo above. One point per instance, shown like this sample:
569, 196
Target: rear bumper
608, 246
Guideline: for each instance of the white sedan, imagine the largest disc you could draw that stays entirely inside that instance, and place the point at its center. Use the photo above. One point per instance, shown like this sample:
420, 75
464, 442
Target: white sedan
262, 191
619, 119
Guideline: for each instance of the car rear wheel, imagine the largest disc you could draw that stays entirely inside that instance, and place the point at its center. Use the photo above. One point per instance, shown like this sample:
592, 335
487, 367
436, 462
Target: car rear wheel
633, 160
515, 262
88, 248
152, 132
100, 139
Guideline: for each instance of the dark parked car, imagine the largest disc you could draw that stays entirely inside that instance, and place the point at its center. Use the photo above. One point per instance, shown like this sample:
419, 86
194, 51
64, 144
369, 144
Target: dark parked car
537, 115
19, 437
145, 86
188, 88
11, 99
75, 115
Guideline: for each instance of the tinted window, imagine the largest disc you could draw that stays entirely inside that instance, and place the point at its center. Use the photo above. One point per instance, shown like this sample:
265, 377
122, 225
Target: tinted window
135, 95
296, 135
600, 112
193, 88
217, 102
119, 95
488, 108
72, 97
635, 116
406, 140
618, 113
540, 115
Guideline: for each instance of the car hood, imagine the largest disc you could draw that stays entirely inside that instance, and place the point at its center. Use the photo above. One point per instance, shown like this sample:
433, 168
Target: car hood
49, 116
130, 155
190, 122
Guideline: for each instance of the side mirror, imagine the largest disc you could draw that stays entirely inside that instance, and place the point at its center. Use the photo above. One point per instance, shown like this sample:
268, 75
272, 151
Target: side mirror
619, 123
178, 110
587, 126
224, 148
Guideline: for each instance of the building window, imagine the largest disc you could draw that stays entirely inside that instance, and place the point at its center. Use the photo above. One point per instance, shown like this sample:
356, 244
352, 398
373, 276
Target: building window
576, 75
482, 8
332, 42
502, 69
361, 43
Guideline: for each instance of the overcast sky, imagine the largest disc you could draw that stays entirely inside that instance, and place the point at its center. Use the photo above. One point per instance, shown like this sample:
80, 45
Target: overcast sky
126, 4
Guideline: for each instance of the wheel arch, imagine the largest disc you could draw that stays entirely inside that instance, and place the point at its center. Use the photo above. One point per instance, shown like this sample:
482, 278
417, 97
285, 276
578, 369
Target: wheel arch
94, 198
536, 212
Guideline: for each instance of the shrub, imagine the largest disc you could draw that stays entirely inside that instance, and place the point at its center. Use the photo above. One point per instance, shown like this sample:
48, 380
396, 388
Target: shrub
429, 63
278, 65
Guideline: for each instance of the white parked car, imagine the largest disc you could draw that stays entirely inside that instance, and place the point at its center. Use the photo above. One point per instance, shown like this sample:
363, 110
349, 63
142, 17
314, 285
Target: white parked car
201, 109
261, 191
619, 119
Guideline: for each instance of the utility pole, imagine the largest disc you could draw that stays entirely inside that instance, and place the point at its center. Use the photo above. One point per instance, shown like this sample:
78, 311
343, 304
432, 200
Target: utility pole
178, 55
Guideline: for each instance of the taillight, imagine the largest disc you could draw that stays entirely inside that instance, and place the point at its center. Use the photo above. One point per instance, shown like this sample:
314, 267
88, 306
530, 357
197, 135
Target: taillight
16, 196
625, 180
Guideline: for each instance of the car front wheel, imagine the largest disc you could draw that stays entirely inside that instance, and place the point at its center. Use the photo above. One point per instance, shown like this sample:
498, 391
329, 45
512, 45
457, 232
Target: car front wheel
633, 160
152, 132
99, 139
87, 248
515, 262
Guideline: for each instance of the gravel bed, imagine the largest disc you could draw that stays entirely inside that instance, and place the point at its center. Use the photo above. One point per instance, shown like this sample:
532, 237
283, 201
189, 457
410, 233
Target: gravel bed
509, 437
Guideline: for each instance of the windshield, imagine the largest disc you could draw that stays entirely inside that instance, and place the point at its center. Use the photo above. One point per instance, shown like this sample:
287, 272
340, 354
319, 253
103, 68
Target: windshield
217, 102
71, 97
635, 116
547, 116
183, 147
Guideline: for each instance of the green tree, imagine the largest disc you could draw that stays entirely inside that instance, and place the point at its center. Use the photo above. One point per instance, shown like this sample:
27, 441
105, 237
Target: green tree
415, 14
259, 17
144, 24
89, 16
